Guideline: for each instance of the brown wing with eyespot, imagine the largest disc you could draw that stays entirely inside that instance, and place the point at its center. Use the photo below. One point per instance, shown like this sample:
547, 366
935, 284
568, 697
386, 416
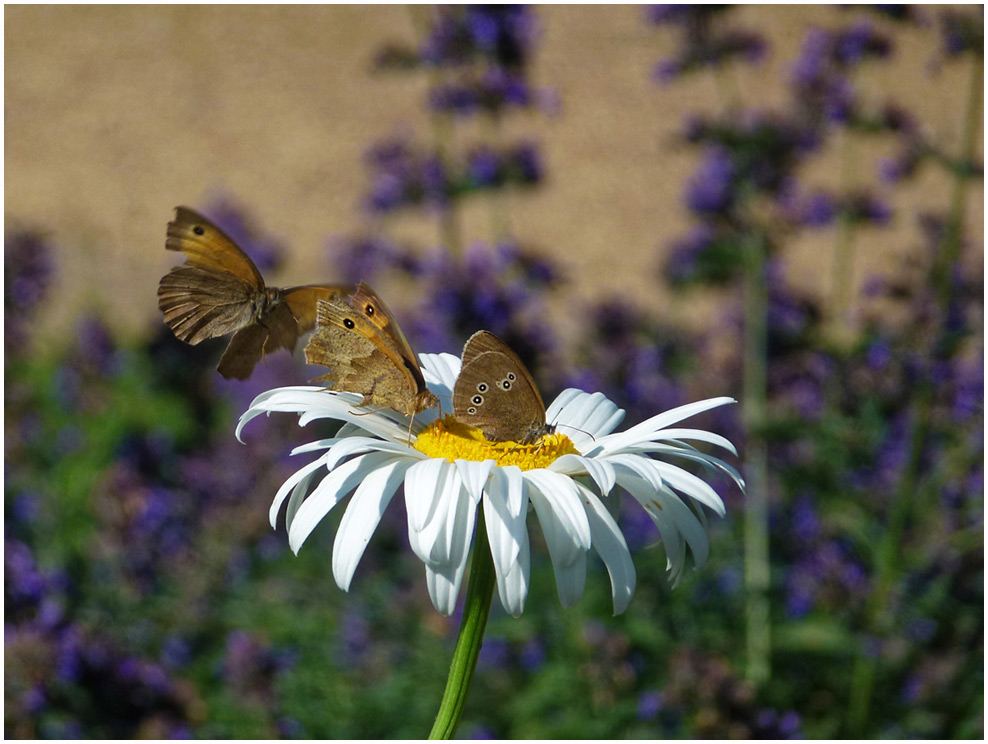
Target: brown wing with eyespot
217, 291
363, 359
495, 393
302, 301
373, 308
209, 247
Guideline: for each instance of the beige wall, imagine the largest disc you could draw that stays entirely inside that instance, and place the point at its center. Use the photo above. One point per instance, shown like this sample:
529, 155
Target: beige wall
115, 114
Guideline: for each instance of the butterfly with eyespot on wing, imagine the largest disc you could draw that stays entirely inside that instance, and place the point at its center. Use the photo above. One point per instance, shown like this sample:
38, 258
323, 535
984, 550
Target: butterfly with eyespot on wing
495, 393
218, 290
359, 339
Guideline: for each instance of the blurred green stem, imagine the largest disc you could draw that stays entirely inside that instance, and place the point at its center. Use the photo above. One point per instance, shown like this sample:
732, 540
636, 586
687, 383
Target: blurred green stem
951, 248
477, 608
754, 402
500, 228
843, 268
443, 134
878, 618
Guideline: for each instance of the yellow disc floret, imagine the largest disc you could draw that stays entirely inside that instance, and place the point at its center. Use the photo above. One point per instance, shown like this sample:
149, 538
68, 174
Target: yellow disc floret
453, 440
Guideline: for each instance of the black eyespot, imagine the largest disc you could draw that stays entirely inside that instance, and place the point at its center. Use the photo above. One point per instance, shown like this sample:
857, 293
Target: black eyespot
348, 323
471, 410
477, 400
199, 230
511, 376
369, 309
506, 385
482, 387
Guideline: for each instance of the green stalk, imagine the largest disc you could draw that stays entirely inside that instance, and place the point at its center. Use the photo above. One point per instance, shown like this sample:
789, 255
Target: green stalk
958, 200
877, 615
476, 610
754, 398
500, 227
443, 132
843, 268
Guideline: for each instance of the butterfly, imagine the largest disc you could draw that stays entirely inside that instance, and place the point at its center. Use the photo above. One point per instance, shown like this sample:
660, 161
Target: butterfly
359, 339
496, 393
218, 290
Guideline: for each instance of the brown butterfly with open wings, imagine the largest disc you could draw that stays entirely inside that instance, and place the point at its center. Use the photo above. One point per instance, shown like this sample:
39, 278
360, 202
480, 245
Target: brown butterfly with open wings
359, 339
218, 290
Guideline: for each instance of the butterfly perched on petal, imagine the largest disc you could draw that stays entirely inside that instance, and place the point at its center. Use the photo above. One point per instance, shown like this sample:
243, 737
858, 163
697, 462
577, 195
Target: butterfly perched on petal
218, 290
360, 341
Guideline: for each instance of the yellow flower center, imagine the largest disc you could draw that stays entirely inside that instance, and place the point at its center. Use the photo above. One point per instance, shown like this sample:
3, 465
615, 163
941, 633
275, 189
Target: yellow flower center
449, 438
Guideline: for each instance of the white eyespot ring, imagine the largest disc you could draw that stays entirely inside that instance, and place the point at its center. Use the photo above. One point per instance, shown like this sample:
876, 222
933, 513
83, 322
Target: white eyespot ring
511, 376
471, 410
481, 387
477, 400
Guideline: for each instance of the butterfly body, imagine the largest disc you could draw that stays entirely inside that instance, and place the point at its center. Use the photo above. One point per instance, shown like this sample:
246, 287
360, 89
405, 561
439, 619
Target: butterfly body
220, 291
358, 338
496, 393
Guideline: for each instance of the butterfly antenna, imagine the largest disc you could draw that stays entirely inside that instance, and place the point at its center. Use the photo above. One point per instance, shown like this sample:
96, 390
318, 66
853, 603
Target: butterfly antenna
583, 431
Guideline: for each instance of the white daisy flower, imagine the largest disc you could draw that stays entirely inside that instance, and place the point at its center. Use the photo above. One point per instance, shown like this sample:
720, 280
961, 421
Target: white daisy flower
449, 471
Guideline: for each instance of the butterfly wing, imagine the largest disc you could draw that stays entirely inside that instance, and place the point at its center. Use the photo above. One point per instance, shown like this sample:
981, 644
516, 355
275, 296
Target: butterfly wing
199, 302
363, 359
373, 308
217, 291
206, 245
495, 393
302, 301
276, 330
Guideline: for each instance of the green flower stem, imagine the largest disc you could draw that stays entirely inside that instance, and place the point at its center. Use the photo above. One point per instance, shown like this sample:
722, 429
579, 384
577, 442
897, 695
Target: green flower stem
480, 591
877, 614
843, 268
754, 404
443, 137
972, 128
497, 197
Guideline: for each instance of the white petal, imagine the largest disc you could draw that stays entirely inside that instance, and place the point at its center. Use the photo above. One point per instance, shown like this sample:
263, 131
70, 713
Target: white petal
652, 502
569, 520
584, 417
319, 444
353, 445
443, 583
688, 524
690, 485
710, 462
440, 369
458, 530
329, 493
505, 510
362, 517
699, 435
644, 467
303, 489
650, 429
474, 476
429, 541
294, 479
563, 533
512, 587
570, 580
421, 481
314, 403
601, 471
612, 549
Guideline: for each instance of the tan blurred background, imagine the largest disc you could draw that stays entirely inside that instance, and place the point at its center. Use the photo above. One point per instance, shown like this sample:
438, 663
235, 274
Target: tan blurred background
116, 114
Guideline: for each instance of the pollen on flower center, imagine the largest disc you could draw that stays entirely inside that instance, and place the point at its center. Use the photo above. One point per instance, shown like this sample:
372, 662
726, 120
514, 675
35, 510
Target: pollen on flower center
454, 440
